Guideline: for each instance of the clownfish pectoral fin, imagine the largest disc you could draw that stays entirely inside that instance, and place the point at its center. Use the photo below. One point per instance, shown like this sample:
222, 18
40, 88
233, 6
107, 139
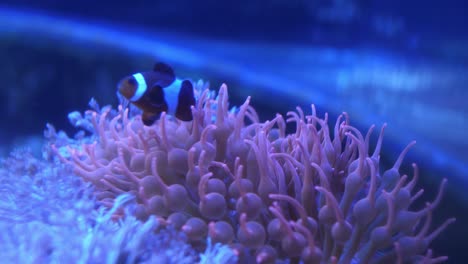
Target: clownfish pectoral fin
165, 74
157, 99
156, 95
185, 101
149, 118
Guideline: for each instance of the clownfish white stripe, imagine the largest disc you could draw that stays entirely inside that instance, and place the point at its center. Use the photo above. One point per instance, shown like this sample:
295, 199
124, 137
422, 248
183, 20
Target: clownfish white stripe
141, 89
171, 94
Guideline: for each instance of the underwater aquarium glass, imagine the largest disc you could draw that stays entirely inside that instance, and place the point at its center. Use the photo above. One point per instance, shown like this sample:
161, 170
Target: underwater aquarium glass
108, 157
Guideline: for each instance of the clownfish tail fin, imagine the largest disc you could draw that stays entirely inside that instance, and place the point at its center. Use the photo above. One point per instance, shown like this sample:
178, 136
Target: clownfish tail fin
185, 100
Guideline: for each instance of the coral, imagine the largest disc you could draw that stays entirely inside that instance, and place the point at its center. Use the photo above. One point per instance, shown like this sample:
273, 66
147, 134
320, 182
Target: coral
306, 196
47, 215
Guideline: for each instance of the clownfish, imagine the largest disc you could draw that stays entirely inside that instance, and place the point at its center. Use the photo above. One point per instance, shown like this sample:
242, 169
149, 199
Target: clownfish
159, 91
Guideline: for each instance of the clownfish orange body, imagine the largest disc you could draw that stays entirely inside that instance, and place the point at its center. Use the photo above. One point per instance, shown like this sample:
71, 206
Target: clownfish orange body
159, 91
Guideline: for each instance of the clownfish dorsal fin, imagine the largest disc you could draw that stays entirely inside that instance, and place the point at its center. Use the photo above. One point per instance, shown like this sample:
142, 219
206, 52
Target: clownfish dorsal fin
165, 74
185, 100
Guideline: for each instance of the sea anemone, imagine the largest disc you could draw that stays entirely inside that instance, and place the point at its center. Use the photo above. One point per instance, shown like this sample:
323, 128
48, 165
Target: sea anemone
307, 196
